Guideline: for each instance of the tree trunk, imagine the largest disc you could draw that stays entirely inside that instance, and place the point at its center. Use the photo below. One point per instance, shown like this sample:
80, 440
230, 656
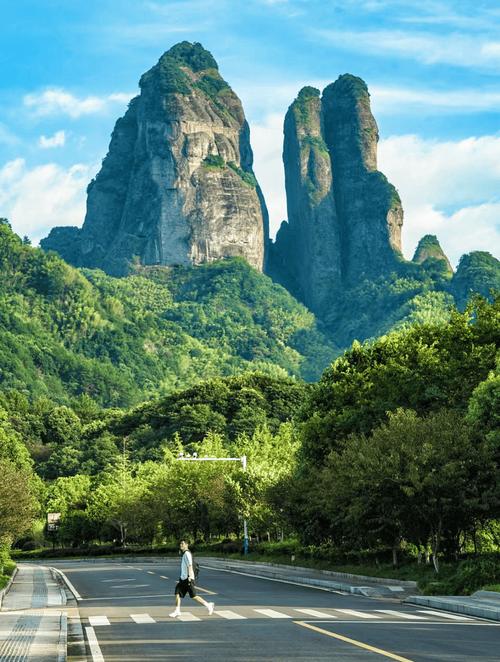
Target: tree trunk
435, 542
394, 557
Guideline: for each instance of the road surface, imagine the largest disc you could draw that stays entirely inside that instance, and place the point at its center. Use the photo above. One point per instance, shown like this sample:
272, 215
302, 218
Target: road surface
124, 609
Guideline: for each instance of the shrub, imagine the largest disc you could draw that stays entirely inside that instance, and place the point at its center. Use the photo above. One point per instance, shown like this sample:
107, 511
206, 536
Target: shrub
214, 161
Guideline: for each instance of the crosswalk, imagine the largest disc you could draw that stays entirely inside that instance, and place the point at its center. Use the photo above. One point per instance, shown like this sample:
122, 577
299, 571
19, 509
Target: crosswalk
285, 613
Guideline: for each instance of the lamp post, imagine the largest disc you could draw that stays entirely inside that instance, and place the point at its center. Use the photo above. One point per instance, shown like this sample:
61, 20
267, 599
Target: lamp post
243, 459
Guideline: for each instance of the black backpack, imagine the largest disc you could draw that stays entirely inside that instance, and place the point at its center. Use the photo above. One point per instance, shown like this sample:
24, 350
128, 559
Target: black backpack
196, 566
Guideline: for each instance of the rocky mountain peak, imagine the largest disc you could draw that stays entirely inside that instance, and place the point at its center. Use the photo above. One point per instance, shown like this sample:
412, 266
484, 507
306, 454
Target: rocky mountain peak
430, 248
344, 217
177, 185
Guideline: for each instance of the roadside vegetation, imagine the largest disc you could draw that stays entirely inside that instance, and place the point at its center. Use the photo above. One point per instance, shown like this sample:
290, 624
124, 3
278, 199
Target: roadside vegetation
388, 465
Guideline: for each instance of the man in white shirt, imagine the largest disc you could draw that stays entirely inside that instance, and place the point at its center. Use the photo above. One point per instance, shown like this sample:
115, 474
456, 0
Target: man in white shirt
186, 582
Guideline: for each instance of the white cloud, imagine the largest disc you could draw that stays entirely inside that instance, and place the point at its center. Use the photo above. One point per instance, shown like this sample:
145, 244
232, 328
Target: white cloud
267, 144
56, 101
36, 199
458, 49
451, 189
57, 140
395, 100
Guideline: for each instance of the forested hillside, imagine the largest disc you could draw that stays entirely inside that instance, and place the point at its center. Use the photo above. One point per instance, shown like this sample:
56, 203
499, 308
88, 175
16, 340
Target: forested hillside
66, 332
105, 381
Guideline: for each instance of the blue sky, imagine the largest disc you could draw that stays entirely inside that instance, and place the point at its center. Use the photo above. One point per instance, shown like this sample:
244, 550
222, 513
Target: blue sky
432, 67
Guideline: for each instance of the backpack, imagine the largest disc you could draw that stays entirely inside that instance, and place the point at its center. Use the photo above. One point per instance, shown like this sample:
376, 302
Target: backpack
196, 566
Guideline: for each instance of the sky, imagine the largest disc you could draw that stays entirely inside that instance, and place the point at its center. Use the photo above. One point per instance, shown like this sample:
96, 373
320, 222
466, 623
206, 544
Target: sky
69, 68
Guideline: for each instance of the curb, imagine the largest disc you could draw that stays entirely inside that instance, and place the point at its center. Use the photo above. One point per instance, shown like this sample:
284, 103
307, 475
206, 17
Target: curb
5, 590
62, 646
325, 584
454, 605
74, 640
57, 578
327, 573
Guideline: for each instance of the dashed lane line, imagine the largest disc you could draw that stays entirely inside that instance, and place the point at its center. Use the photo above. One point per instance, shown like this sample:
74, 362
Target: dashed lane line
353, 642
114, 580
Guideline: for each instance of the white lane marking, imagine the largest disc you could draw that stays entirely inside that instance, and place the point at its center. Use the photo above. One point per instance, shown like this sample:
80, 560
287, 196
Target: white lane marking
272, 613
359, 614
95, 649
130, 586
402, 614
98, 620
230, 615
273, 579
187, 616
121, 580
443, 615
69, 584
316, 613
150, 573
142, 618
163, 577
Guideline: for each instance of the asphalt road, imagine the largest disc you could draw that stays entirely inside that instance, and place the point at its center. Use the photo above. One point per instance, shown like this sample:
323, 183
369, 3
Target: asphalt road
125, 609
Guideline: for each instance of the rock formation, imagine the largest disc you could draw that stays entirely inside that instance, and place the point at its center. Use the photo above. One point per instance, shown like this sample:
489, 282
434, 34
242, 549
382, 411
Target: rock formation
344, 217
313, 248
429, 248
176, 186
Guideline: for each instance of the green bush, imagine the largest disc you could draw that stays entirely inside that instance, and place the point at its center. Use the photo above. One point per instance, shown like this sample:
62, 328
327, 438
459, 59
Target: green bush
214, 161
247, 177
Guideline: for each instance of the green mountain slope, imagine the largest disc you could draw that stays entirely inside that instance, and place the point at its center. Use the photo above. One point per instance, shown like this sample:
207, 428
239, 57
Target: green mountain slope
64, 332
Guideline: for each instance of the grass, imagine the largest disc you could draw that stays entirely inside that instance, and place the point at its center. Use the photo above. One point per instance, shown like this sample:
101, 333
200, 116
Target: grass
492, 587
8, 569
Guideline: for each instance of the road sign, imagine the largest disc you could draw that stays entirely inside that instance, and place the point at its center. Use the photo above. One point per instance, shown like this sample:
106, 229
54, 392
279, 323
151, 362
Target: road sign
53, 520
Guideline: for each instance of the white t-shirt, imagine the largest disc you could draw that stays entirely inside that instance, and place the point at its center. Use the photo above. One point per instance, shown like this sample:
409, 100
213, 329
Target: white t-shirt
186, 561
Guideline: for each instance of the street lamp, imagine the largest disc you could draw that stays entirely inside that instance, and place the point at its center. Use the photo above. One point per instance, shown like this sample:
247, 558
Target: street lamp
243, 459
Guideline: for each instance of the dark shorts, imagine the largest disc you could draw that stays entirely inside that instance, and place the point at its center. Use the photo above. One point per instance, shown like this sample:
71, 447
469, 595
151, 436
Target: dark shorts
184, 586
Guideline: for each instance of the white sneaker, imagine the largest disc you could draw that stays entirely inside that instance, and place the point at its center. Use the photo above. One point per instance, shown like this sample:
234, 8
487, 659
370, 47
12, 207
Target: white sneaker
175, 613
210, 608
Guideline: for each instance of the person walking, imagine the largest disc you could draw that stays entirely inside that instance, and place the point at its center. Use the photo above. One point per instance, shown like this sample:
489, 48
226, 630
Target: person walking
186, 582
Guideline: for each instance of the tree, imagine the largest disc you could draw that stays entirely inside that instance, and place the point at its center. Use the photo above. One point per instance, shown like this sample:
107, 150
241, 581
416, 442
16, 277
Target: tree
413, 476
18, 505
424, 368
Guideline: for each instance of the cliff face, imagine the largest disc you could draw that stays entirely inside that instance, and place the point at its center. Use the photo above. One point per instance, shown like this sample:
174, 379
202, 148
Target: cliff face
345, 218
176, 186
311, 211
